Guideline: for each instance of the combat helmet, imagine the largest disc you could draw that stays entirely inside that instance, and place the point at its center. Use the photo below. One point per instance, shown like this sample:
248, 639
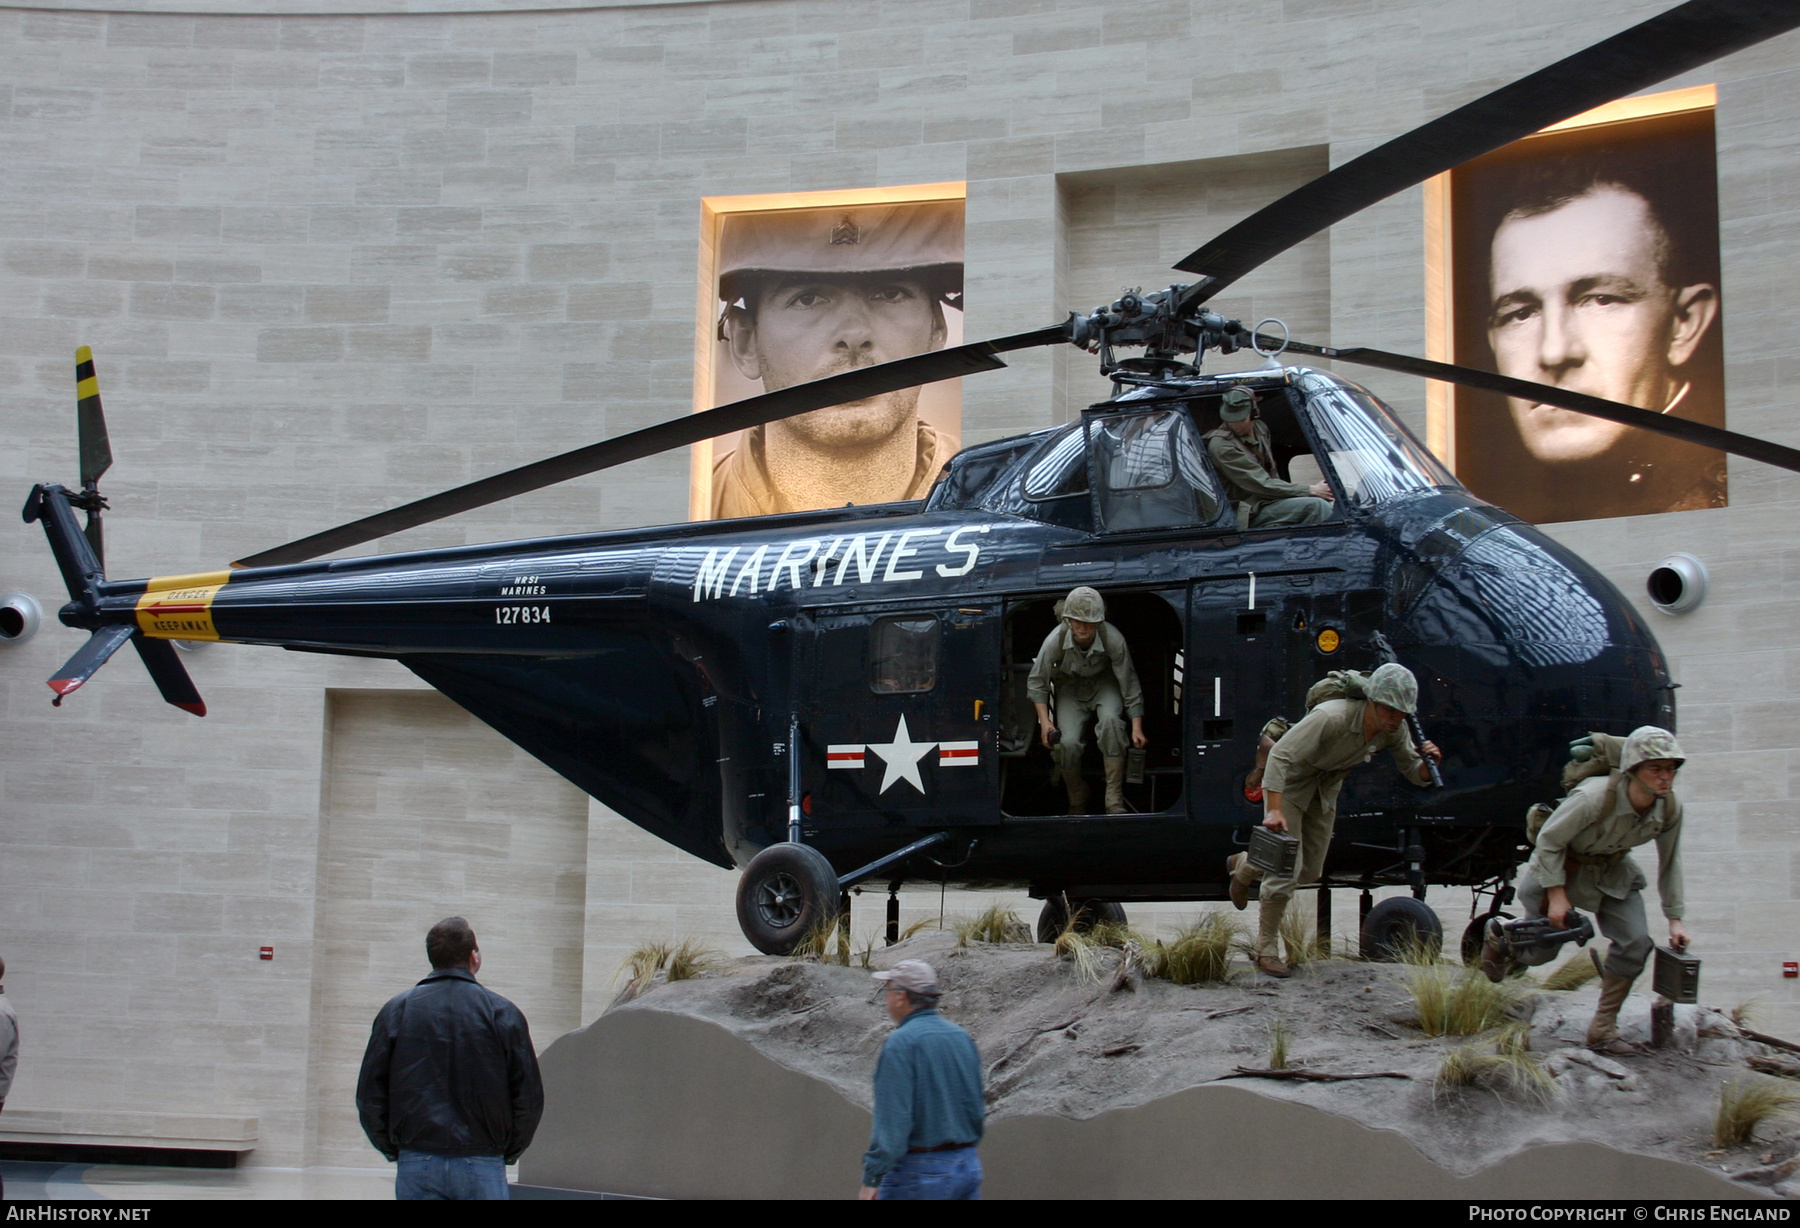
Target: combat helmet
923, 239
1084, 605
1394, 685
1647, 742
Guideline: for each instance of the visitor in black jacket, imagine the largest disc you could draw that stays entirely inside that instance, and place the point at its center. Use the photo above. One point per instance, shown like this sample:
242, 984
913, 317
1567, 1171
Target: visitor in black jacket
449, 1085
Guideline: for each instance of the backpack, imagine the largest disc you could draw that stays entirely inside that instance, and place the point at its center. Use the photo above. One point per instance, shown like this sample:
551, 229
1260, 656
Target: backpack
1338, 684
1595, 755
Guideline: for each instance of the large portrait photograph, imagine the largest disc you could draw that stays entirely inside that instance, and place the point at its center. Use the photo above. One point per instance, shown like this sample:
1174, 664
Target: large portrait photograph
798, 294
1587, 257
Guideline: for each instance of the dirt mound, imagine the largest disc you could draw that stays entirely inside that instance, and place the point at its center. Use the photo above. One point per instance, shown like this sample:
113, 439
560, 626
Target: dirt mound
1057, 1044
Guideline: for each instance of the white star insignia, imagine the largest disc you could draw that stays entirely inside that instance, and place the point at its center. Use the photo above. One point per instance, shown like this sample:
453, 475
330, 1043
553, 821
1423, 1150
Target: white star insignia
901, 758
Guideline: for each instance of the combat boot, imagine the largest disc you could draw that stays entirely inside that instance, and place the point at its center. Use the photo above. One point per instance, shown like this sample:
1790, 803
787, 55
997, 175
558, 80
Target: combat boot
1496, 961
1115, 785
1078, 790
1268, 939
1240, 885
1603, 1032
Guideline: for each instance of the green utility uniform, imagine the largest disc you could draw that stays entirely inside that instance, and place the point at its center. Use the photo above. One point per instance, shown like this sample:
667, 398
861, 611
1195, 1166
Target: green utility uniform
1583, 848
1307, 767
1099, 679
1263, 500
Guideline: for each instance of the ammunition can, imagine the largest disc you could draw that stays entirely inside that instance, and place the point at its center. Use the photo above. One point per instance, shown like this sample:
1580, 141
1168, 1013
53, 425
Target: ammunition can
1677, 976
1134, 765
1273, 852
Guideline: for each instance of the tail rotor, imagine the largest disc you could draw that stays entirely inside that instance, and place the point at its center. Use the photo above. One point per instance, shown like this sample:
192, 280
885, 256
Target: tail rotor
79, 552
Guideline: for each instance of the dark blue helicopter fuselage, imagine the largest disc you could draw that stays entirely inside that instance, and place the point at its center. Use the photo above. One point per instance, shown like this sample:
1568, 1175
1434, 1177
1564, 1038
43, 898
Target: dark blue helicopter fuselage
659, 669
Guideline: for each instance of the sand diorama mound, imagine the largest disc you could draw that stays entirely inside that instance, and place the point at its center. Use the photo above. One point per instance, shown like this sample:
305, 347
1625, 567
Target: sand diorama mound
1059, 1039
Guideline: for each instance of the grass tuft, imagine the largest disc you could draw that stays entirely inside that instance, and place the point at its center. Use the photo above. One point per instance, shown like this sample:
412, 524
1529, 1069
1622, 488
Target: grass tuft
917, 927
1279, 1039
1300, 939
1454, 1001
1199, 954
1573, 973
1745, 1013
1082, 952
640, 969
1745, 1103
690, 959
827, 942
1509, 1071
996, 923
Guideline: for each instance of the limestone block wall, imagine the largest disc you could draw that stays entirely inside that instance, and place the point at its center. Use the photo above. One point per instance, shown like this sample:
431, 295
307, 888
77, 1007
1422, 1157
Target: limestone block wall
330, 262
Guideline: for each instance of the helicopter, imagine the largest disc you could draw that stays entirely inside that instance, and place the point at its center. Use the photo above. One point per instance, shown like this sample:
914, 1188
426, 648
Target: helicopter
834, 698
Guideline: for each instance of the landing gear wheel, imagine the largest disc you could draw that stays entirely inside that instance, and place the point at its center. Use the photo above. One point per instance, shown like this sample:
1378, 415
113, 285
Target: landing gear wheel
1397, 924
1476, 934
1054, 918
786, 892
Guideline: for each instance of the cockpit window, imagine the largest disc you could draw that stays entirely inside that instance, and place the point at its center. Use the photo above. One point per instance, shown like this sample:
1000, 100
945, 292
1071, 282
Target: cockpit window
1061, 469
1376, 459
967, 478
1150, 471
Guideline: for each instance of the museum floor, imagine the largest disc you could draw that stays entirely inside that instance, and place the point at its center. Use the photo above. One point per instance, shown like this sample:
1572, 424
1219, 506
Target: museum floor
132, 1183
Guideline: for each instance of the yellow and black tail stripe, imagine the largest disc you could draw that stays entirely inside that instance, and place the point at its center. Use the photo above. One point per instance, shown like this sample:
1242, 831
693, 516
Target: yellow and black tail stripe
87, 384
180, 607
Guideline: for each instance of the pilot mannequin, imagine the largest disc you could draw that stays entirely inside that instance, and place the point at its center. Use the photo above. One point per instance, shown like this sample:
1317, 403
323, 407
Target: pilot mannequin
1087, 665
1240, 447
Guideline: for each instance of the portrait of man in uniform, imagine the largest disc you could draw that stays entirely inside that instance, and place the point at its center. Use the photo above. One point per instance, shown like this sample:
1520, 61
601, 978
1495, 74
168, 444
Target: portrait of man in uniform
807, 293
1588, 259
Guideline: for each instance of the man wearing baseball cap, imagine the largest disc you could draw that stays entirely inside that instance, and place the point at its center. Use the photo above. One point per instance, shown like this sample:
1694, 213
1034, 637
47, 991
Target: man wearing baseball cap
928, 1101
1242, 449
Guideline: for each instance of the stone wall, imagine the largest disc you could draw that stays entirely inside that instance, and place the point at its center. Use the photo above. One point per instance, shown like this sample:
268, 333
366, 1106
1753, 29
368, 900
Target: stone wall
331, 263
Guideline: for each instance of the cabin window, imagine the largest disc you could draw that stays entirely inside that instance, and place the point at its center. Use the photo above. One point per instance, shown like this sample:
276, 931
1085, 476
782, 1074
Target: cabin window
1375, 457
1062, 469
1151, 473
903, 654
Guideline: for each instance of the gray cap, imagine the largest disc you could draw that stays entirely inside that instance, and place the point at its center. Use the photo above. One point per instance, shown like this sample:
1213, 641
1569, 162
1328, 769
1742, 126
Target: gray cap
1394, 685
912, 975
1648, 742
1238, 405
1084, 605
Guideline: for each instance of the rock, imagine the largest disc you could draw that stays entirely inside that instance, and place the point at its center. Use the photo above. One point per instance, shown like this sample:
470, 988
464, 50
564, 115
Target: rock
1768, 1174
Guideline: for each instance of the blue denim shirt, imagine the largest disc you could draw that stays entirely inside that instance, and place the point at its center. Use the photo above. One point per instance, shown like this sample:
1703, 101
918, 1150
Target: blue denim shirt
927, 1091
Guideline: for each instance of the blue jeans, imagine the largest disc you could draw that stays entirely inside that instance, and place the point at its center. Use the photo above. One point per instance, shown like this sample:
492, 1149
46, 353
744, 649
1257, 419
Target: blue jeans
935, 1175
423, 1175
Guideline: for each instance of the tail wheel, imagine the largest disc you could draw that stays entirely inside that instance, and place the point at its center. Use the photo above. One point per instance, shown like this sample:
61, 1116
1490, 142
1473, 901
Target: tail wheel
1054, 918
1393, 926
786, 892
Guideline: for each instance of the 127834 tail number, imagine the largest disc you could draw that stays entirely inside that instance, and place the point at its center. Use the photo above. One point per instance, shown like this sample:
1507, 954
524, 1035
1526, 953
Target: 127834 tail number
507, 614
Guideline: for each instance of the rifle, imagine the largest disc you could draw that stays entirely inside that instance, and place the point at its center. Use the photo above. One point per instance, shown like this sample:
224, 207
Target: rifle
1381, 645
1537, 932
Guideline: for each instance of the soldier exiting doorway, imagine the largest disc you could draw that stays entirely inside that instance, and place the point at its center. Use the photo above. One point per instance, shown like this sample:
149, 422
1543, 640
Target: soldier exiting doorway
1085, 664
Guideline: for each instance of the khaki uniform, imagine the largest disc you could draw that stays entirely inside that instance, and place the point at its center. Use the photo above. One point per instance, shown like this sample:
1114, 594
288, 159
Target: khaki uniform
1307, 767
741, 485
1099, 679
1263, 500
1583, 848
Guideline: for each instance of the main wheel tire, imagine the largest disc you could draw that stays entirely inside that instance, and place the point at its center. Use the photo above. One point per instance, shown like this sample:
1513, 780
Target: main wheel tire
1476, 934
1397, 924
1054, 917
786, 892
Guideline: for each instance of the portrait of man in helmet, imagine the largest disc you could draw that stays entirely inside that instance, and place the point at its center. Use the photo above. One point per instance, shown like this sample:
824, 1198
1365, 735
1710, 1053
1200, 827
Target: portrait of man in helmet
808, 293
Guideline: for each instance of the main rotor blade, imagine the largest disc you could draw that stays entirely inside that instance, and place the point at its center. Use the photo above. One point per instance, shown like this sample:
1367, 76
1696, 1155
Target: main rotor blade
1685, 37
853, 385
1779, 455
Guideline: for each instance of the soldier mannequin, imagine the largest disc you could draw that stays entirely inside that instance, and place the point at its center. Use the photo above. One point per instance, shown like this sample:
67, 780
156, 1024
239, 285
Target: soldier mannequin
1241, 449
815, 292
1304, 774
1582, 860
1088, 664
